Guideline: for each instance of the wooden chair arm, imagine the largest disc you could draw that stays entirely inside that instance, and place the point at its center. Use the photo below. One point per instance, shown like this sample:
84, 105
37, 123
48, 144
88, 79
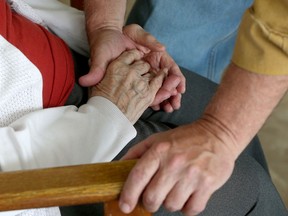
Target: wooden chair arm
65, 186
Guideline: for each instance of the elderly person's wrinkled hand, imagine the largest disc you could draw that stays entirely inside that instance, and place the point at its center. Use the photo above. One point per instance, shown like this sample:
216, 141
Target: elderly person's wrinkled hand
130, 84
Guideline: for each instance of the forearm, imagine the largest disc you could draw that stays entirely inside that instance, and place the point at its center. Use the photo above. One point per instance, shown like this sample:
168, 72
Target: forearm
242, 104
104, 13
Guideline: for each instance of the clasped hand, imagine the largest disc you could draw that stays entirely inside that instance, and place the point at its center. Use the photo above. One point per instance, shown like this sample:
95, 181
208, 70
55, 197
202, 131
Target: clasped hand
108, 44
130, 84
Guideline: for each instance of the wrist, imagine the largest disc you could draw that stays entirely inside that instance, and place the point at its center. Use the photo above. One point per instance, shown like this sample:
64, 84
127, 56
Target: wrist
105, 14
93, 27
221, 132
242, 103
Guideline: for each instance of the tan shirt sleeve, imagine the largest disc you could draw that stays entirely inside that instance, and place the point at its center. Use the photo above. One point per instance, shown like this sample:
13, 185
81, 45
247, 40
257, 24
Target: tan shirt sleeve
262, 43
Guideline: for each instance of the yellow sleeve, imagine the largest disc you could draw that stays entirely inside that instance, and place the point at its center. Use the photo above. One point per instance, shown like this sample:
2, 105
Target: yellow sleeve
262, 43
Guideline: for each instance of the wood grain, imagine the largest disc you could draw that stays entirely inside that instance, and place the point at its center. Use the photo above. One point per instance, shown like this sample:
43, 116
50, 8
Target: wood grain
111, 208
72, 185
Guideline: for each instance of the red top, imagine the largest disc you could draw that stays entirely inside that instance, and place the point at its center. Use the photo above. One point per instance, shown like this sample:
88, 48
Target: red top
46, 51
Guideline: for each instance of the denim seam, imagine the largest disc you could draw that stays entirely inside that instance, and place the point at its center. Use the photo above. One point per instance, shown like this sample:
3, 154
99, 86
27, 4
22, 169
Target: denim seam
213, 54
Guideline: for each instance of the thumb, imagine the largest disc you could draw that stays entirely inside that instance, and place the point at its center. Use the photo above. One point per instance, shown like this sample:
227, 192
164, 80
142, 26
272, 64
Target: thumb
143, 38
94, 76
98, 63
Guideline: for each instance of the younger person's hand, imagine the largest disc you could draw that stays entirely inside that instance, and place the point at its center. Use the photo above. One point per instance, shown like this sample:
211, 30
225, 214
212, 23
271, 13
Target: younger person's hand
168, 97
179, 169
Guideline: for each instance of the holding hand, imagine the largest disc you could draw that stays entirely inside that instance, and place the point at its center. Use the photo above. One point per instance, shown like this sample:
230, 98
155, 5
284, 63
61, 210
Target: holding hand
108, 43
130, 84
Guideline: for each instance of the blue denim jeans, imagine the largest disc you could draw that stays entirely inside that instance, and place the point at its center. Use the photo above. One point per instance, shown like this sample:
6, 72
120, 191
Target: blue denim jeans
199, 35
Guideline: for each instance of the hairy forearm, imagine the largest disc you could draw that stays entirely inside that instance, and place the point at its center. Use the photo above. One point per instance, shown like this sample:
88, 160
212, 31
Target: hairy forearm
242, 104
104, 14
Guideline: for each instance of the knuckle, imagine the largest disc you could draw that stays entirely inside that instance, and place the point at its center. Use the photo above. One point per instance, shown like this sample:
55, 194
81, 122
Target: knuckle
193, 170
177, 160
161, 147
113, 66
138, 174
131, 74
133, 52
150, 202
146, 65
197, 208
172, 207
142, 66
208, 181
149, 37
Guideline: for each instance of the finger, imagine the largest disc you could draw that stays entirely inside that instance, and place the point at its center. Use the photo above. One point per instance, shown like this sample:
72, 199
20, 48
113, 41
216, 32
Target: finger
140, 67
173, 103
155, 107
138, 150
197, 202
182, 84
98, 66
171, 83
158, 188
143, 49
166, 106
137, 180
94, 76
181, 88
157, 81
128, 57
149, 76
141, 37
181, 192
160, 97
176, 101
168, 89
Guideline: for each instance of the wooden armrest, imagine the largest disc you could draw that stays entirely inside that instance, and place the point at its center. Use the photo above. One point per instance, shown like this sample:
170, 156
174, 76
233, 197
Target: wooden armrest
65, 186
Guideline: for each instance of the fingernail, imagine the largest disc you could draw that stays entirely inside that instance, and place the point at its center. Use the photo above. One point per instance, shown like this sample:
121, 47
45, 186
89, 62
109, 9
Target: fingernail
125, 208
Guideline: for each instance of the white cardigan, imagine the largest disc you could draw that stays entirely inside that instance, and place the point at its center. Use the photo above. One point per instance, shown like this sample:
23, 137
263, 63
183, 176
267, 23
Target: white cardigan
32, 137
56, 136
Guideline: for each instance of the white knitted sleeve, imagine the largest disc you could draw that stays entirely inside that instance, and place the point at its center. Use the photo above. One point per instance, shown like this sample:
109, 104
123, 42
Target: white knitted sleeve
20, 84
53, 211
20, 7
